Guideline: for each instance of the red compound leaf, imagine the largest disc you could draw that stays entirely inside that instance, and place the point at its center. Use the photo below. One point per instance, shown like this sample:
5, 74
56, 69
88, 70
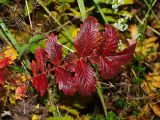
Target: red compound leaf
126, 54
65, 81
40, 83
34, 67
4, 62
85, 78
40, 59
54, 50
87, 37
109, 41
4, 75
70, 64
109, 66
4, 72
75, 74
108, 69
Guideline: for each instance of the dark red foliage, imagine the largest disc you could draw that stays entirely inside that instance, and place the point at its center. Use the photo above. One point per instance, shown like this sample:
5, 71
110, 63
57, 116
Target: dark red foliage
76, 74
4, 72
54, 50
40, 59
85, 78
70, 64
34, 67
109, 66
65, 81
4, 62
4, 75
39, 80
109, 61
87, 37
109, 41
40, 83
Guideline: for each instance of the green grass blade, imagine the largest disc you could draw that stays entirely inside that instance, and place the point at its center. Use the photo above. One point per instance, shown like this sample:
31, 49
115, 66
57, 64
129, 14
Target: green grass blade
82, 9
3, 37
152, 11
36, 38
23, 49
96, 2
100, 94
9, 35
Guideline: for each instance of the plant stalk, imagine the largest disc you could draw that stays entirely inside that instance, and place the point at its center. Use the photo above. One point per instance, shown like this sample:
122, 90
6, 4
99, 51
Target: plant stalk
100, 94
152, 11
147, 15
50, 14
149, 27
82, 9
96, 2
29, 17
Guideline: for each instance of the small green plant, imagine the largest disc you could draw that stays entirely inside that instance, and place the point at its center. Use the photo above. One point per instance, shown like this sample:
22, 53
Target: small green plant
140, 35
60, 118
111, 116
4, 2
140, 70
120, 102
137, 81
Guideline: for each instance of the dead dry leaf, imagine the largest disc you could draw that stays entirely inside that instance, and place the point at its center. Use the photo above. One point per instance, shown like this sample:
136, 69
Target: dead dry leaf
11, 53
156, 69
131, 117
134, 31
36, 117
154, 77
150, 40
147, 87
150, 87
155, 108
148, 48
145, 111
